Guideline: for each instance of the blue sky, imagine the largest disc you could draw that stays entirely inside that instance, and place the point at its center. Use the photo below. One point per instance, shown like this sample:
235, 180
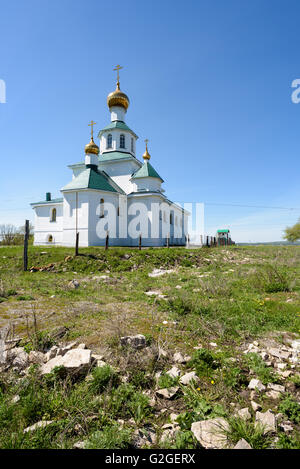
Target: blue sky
209, 85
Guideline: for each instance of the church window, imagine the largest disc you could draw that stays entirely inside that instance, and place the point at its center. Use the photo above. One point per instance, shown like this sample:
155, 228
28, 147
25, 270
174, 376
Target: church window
132, 150
101, 208
160, 215
109, 141
122, 141
171, 219
53, 215
118, 211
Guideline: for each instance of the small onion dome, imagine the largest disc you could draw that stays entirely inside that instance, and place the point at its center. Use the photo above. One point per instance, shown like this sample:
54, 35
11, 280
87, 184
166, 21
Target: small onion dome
118, 98
92, 147
146, 155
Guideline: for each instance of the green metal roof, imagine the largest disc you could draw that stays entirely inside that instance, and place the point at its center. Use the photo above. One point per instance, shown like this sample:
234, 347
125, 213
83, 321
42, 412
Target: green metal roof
146, 170
223, 231
48, 202
115, 155
116, 125
92, 179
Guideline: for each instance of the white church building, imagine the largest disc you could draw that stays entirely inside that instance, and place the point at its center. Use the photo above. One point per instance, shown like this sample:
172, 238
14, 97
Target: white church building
111, 193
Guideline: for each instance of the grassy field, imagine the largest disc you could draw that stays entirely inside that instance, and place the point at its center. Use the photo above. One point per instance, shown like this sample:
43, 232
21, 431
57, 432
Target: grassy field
226, 296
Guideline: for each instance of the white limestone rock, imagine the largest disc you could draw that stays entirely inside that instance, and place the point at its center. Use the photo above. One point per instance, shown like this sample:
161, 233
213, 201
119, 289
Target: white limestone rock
174, 372
267, 420
75, 361
167, 393
244, 414
36, 358
256, 384
211, 433
35, 426
188, 378
242, 444
179, 358
276, 387
136, 341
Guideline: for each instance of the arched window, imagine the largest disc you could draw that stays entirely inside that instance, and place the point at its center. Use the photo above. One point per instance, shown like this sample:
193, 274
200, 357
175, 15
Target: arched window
109, 141
132, 148
50, 239
101, 208
171, 219
53, 215
122, 141
160, 215
118, 211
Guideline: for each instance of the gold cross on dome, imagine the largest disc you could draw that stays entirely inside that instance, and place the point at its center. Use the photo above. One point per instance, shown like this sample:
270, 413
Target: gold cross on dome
146, 141
92, 130
117, 69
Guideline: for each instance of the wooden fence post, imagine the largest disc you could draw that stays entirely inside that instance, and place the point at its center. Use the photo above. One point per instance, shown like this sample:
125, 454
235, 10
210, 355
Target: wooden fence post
77, 244
25, 256
140, 242
106, 241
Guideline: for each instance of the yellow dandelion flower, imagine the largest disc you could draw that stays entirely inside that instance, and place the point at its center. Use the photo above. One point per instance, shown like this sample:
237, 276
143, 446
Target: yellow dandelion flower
212, 381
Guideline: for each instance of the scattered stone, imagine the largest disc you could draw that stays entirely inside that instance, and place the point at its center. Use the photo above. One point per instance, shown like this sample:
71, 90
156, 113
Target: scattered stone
155, 293
267, 420
75, 361
74, 284
256, 384
189, 377
81, 346
167, 393
173, 417
174, 372
276, 387
242, 444
255, 406
296, 344
18, 358
211, 433
37, 358
281, 366
279, 353
170, 431
144, 437
273, 394
285, 374
15, 399
213, 344
136, 341
244, 414
179, 358
35, 426
286, 426
159, 272
79, 445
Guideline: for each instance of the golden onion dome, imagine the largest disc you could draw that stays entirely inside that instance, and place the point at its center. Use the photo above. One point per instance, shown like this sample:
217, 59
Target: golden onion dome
118, 98
92, 147
146, 155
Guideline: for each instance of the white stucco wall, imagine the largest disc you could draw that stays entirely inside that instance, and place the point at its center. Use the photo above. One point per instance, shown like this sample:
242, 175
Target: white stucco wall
44, 227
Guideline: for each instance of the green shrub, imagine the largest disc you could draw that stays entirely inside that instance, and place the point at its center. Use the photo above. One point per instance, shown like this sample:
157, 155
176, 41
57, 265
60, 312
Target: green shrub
290, 408
204, 361
256, 364
167, 381
111, 437
102, 377
252, 433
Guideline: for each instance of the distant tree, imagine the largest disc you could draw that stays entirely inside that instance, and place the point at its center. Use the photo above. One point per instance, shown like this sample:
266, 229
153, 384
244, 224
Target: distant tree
292, 233
8, 234
21, 230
